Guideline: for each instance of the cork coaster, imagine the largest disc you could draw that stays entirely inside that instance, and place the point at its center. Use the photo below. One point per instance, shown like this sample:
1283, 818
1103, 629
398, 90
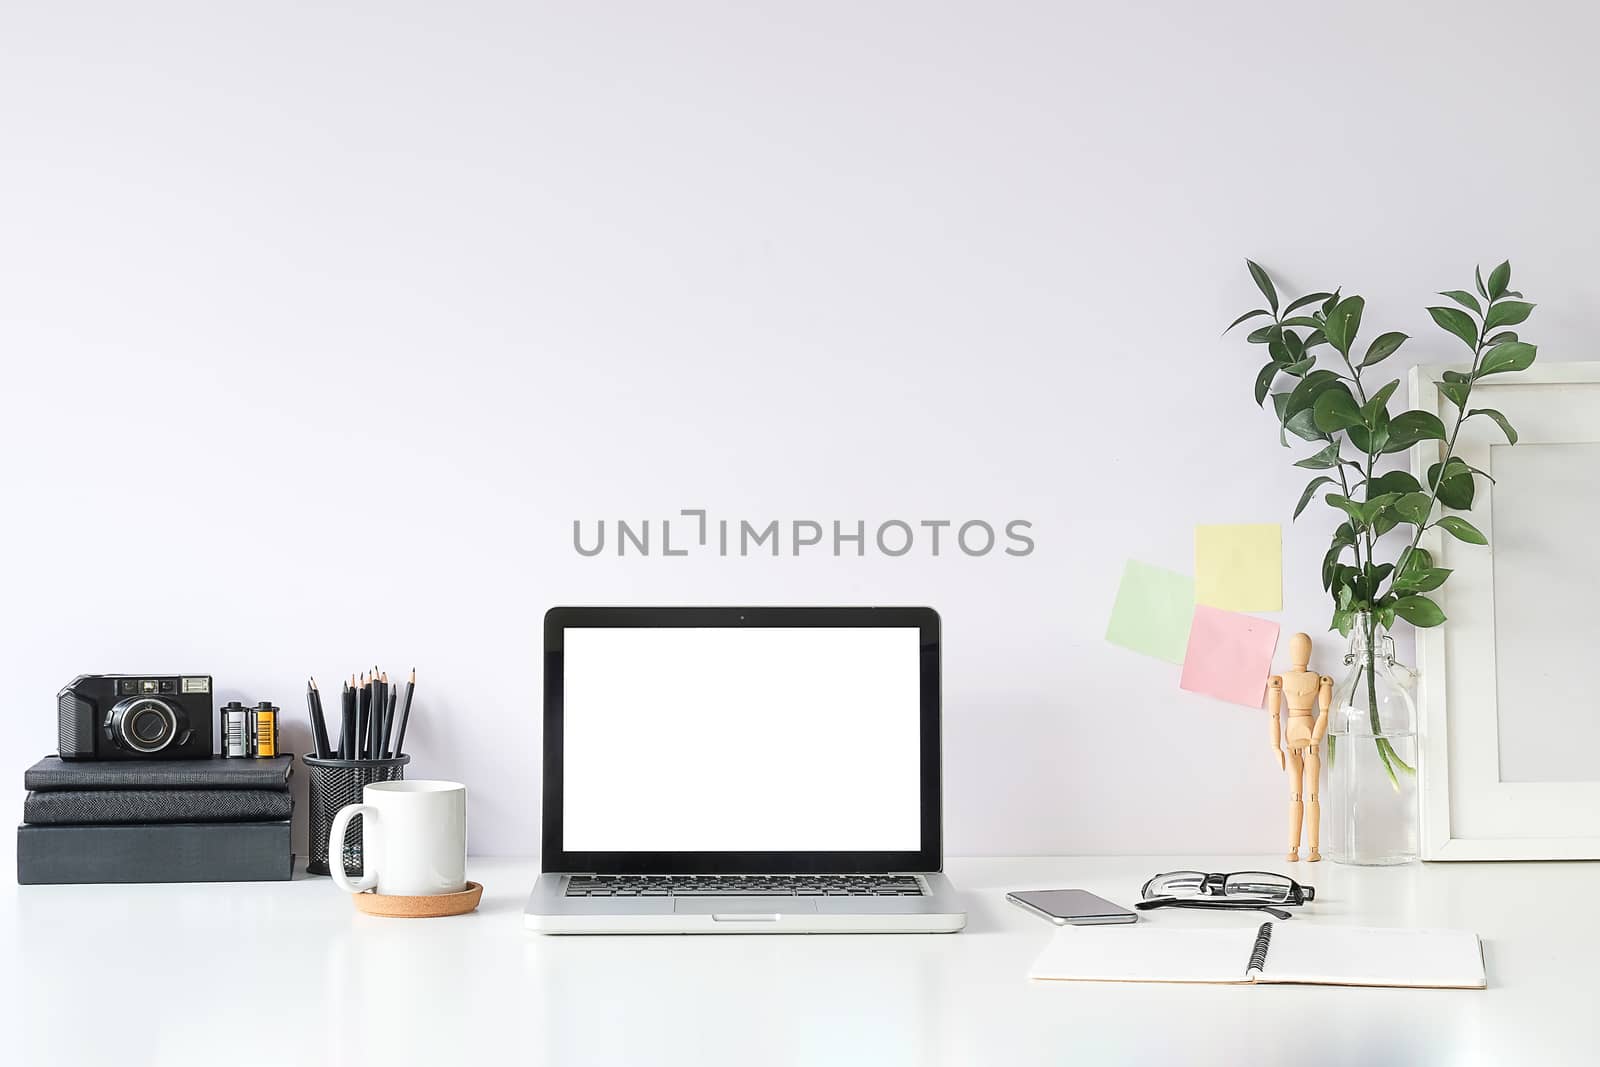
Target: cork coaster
420, 907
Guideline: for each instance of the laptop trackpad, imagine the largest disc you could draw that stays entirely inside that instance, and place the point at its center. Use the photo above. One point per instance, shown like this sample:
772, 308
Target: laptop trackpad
753, 907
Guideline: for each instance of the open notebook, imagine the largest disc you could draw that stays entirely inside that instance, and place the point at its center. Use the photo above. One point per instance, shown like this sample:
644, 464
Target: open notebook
1297, 952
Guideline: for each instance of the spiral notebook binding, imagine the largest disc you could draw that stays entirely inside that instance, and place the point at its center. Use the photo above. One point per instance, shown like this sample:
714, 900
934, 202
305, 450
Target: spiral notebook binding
1258, 956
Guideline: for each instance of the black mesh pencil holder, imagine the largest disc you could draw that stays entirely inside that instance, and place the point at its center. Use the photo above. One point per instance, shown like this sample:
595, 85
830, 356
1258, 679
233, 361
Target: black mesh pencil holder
336, 783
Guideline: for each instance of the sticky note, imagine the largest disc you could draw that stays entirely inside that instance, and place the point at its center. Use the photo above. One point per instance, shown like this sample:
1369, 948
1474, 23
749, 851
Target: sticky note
1152, 612
1229, 656
1239, 568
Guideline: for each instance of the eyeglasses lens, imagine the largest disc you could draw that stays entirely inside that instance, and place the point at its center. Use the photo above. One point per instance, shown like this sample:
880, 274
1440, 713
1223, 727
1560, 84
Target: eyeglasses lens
1175, 884
1257, 885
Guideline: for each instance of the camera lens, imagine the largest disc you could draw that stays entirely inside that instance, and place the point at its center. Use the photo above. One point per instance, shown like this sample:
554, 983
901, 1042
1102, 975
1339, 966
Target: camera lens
146, 724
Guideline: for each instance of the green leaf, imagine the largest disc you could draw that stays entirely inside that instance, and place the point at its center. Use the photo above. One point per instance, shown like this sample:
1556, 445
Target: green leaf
1370, 442
1262, 334
1305, 394
1246, 317
1511, 356
1374, 506
1422, 580
1394, 482
1409, 427
1477, 276
1329, 562
1462, 530
1413, 559
1344, 622
1386, 521
1499, 278
1335, 409
1346, 505
1382, 348
1414, 508
1278, 350
1419, 611
1465, 299
1309, 298
1504, 423
1332, 302
1343, 322
1507, 313
1379, 401
1311, 488
1323, 460
1264, 283
1457, 322
1264, 382
1501, 338
1302, 368
1315, 338
1300, 322
1456, 392
1455, 485
1303, 426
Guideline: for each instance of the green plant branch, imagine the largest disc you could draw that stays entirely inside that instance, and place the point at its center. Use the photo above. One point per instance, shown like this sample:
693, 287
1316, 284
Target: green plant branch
1326, 405
1444, 460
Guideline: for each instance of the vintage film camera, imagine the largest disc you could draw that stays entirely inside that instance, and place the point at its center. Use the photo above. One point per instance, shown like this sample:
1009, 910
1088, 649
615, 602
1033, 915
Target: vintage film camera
134, 716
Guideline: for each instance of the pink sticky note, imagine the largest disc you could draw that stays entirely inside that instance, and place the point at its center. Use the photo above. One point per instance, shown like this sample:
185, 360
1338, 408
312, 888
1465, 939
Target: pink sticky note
1229, 656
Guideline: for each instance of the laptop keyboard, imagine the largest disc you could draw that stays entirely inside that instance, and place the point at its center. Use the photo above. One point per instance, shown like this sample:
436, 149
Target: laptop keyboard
744, 885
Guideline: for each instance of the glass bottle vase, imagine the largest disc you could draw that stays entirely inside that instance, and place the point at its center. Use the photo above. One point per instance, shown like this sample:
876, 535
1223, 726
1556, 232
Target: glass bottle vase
1371, 787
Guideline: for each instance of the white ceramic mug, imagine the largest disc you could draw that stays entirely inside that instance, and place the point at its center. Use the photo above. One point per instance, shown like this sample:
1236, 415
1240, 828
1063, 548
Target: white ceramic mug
413, 839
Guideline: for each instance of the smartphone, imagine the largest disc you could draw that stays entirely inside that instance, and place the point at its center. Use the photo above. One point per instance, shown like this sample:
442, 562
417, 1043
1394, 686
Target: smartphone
1072, 907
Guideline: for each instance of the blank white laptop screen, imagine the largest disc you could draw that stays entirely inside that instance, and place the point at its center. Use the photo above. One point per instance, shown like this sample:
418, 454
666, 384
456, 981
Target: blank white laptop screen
757, 739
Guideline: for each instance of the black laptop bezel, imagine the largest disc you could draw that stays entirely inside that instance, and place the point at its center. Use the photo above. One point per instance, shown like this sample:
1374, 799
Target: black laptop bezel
926, 859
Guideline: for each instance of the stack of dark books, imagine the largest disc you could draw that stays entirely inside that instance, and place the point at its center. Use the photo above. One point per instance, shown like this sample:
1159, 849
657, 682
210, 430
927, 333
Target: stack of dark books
190, 820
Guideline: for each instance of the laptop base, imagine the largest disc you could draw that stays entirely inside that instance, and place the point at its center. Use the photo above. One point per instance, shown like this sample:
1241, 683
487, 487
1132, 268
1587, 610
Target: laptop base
551, 911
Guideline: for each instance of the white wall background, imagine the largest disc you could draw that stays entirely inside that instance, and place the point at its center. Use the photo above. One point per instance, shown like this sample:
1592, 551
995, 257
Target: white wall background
320, 323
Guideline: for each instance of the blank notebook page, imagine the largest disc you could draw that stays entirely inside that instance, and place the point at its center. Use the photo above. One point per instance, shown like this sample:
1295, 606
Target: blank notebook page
1347, 955
1146, 954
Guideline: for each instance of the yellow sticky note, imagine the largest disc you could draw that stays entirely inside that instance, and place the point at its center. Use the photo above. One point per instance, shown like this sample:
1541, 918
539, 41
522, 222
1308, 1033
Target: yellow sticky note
1239, 568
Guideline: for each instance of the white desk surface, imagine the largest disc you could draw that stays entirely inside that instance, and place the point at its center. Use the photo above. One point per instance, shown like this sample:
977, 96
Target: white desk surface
289, 973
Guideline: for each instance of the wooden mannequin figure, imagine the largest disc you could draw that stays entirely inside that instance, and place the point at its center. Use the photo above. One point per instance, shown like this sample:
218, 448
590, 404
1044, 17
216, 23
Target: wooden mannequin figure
1302, 688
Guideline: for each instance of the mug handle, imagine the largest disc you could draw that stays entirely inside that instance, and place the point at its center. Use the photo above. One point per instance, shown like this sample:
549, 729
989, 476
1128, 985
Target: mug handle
341, 823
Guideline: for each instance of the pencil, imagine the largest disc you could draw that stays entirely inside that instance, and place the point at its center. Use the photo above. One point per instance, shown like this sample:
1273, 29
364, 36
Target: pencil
319, 725
405, 714
363, 711
388, 725
347, 717
381, 748
375, 724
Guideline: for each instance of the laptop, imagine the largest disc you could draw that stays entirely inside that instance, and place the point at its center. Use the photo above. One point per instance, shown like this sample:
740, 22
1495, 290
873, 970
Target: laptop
742, 770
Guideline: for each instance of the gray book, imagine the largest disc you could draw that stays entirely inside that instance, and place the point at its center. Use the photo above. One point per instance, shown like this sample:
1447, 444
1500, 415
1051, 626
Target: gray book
76, 807
155, 852
53, 772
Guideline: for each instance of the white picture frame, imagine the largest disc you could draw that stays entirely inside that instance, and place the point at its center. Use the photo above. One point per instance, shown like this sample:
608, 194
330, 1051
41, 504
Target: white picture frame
1508, 699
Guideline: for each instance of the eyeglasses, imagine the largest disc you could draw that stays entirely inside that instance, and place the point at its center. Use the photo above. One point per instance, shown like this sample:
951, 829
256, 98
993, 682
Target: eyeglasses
1242, 890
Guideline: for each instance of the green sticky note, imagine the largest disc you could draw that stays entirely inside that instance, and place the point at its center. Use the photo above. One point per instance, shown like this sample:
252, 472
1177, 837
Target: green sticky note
1153, 610
1240, 567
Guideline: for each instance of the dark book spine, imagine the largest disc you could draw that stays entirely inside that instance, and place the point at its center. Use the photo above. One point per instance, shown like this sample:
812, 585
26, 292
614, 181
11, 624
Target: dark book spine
157, 852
